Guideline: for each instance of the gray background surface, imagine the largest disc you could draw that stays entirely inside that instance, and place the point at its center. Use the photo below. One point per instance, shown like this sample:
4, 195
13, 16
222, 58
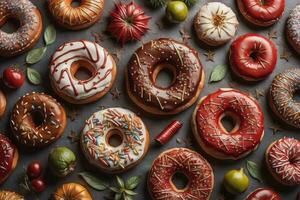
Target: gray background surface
155, 125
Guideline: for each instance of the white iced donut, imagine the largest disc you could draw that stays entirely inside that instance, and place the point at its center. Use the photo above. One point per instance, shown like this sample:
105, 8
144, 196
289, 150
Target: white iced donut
108, 123
73, 56
293, 28
215, 23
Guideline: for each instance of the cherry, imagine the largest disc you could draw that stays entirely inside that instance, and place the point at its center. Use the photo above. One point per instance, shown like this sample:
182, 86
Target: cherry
13, 77
34, 169
38, 185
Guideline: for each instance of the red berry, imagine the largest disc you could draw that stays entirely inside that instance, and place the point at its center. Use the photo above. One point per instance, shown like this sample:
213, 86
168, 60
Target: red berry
13, 77
34, 169
38, 185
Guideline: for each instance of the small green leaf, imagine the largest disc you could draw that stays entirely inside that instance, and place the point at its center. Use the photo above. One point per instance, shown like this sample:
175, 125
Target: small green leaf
130, 192
118, 196
127, 197
35, 55
114, 189
93, 181
120, 182
50, 35
218, 73
253, 170
132, 182
33, 76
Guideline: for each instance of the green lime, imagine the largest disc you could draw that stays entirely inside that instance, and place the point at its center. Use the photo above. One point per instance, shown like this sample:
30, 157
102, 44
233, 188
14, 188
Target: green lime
176, 11
236, 181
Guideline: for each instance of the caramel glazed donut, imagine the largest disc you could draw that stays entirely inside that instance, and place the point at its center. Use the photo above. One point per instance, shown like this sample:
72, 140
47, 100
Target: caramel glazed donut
72, 56
105, 124
75, 18
37, 120
8, 195
211, 135
71, 191
2, 103
191, 164
12, 44
144, 67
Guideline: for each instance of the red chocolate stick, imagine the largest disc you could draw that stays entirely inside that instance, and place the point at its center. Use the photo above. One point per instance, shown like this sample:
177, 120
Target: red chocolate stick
168, 132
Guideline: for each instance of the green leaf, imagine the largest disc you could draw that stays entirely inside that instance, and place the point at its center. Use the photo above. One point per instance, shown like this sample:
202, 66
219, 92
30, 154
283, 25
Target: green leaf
50, 35
127, 197
218, 73
132, 182
189, 2
33, 76
118, 196
157, 3
130, 192
35, 55
253, 170
120, 182
93, 181
114, 189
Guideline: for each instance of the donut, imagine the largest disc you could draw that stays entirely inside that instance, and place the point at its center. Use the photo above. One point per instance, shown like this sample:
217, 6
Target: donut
164, 54
292, 29
210, 133
197, 170
283, 161
30, 19
261, 13
215, 24
109, 123
8, 158
37, 120
2, 103
281, 93
87, 13
72, 191
8, 195
263, 194
252, 57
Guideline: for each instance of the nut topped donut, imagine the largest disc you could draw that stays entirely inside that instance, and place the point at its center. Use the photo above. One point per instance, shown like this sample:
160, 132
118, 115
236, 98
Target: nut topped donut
145, 65
8, 195
263, 194
78, 17
28, 33
73, 56
71, 191
210, 133
180, 160
283, 161
127, 129
252, 57
37, 120
292, 29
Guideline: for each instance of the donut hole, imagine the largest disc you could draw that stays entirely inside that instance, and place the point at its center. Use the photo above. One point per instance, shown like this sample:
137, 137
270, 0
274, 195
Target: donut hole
229, 122
180, 181
10, 25
296, 96
164, 76
37, 118
82, 70
114, 138
75, 3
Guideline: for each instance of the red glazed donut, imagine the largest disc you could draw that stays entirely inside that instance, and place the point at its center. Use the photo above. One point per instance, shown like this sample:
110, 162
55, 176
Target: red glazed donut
283, 161
214, 139
253, 57
261, 14
263, 194
191, 164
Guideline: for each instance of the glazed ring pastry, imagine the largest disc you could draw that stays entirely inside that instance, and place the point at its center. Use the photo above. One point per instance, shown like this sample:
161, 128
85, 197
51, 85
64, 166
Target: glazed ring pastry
84, 15
73, 56
145, 65
12, 44
196, 169
283, 161
252, 57
215, 24
263, 194
282, 90
2, 103
292, 29
210, 133
37, 120
71, 191
8, 195
102, 127
261, 13
8, 158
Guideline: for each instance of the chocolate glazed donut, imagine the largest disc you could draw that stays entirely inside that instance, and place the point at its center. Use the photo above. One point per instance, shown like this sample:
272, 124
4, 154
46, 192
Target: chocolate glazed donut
144, 67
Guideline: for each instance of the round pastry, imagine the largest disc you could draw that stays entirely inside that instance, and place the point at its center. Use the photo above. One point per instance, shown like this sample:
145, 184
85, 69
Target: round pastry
74, 56
215, 24
283, 161
281, 94
8, 195
29, 31
126, 128
87, 13
261, 13
213, 137
71, 191
191, 164
37, 120
155, 56
8, 158
292, 29
263, 194
252, 57
2, 103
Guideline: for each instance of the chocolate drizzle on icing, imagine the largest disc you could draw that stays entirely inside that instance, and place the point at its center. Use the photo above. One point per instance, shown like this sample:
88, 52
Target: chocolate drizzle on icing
7, 152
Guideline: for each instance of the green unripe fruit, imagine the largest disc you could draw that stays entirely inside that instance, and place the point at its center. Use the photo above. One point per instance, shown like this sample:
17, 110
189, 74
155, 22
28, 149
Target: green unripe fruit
236, 181
176, 11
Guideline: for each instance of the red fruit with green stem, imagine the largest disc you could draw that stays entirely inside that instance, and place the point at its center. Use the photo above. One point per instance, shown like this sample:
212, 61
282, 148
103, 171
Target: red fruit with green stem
13, 77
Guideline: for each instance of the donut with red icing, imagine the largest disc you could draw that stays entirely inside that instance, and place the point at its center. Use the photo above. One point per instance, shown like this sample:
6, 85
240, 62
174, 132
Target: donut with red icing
261, 13
283, 161
8, 157
210, 133
263, 194
191, 164
252, 57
